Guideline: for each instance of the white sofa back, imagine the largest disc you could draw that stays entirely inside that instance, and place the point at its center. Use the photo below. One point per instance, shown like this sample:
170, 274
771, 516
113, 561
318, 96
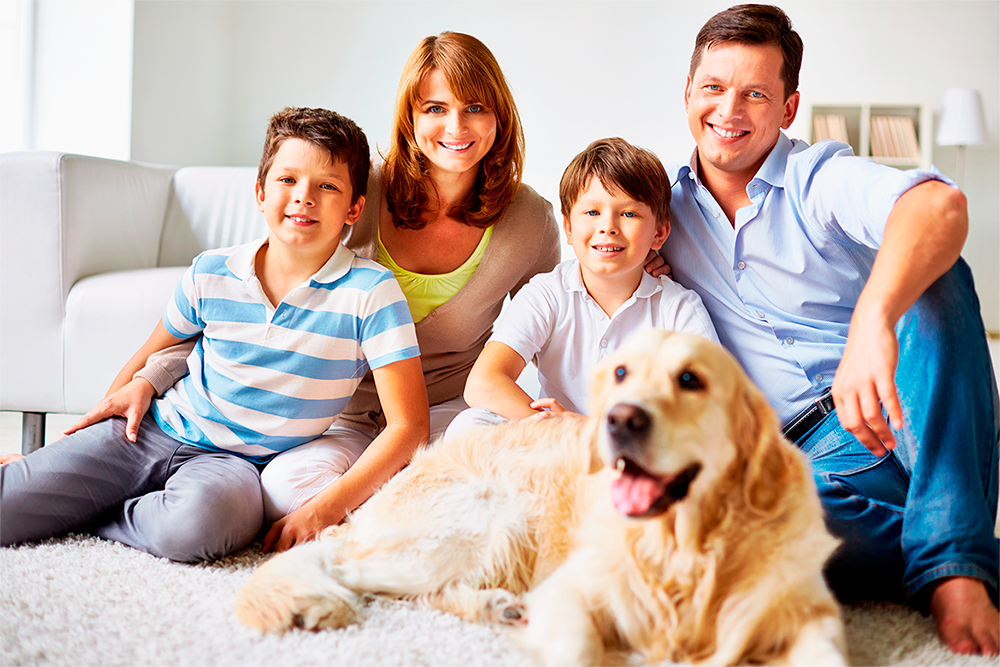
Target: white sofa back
90, 251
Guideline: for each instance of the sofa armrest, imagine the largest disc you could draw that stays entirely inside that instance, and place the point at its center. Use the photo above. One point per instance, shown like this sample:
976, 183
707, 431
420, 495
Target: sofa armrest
64, 217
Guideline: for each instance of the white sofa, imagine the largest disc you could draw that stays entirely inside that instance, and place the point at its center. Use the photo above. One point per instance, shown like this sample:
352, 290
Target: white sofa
90, 251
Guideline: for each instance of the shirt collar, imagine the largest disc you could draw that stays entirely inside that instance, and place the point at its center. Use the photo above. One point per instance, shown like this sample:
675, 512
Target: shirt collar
573, 282
771, 172
242, 262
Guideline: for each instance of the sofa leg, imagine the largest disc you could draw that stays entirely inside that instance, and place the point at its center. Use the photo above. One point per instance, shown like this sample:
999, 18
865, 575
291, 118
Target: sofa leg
32, 431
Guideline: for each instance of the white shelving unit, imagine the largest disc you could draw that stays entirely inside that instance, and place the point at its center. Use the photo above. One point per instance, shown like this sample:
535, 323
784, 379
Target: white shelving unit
858, 119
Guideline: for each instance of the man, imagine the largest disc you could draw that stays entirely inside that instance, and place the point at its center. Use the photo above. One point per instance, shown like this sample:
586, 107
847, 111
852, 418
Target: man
838, 284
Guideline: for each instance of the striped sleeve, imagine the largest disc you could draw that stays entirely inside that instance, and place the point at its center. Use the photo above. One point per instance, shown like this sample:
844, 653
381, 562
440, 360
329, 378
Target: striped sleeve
387, 331
181, 317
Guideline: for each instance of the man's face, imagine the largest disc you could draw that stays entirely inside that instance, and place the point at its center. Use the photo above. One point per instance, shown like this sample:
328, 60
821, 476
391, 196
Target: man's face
736, 107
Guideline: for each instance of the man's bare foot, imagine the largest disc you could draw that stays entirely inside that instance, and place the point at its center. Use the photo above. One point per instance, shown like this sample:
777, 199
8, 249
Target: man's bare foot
967, 622
9, 458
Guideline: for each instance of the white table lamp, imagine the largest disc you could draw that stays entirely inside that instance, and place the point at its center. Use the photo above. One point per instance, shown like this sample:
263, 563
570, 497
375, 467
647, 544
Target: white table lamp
962, 123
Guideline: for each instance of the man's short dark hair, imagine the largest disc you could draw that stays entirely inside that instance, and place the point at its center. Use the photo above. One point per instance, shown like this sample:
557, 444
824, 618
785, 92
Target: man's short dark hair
754, 24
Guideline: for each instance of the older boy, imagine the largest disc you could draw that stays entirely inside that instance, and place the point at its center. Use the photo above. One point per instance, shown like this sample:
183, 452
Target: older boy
289, 324
615, 201
821, 269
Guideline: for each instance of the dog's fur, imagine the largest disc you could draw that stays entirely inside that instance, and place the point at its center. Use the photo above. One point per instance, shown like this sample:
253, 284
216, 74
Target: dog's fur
720, 559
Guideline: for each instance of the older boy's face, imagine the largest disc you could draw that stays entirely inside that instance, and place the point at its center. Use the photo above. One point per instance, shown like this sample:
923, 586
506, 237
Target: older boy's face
737, 107
306, 198
611, 233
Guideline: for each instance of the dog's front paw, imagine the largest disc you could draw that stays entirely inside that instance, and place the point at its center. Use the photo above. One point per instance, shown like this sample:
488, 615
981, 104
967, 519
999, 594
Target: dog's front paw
278, 609
503, 608
292, 591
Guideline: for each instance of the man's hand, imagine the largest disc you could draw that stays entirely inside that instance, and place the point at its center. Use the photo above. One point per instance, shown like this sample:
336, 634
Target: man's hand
655, 265
131, 402
302, 525
866, 382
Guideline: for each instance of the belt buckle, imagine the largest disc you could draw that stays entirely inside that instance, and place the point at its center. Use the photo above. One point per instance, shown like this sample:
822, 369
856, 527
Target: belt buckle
804, 420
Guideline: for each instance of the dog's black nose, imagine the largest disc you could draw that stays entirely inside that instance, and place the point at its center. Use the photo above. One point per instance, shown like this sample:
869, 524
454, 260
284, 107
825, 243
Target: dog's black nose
627, 422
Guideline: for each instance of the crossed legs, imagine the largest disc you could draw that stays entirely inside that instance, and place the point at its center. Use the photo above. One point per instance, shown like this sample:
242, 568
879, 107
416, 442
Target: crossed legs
157, 495
924, 515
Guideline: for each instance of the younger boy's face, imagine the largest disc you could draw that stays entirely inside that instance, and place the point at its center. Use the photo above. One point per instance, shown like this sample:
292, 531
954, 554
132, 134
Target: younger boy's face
306, 198
611, 233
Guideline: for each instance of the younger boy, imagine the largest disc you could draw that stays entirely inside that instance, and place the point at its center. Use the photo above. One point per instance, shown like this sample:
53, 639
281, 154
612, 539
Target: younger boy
615, 201
289, 324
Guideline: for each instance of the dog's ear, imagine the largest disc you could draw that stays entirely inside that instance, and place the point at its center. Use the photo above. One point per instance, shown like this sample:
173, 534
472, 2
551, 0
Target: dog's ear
767, 466
599, 377
590, 433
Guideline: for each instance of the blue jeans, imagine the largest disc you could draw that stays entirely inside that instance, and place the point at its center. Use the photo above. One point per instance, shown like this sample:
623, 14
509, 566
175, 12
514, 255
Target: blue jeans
927, 510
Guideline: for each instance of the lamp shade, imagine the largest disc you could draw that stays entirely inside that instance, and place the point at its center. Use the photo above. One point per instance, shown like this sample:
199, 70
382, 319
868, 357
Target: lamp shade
962, 121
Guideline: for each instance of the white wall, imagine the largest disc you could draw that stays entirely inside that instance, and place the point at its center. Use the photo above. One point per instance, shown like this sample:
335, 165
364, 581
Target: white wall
207, 75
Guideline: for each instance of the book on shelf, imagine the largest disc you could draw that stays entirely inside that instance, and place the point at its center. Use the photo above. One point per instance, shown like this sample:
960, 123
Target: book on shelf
894, 137
829, 126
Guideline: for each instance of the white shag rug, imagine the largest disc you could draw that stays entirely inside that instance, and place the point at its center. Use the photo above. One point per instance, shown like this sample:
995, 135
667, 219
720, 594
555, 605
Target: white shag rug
80, 600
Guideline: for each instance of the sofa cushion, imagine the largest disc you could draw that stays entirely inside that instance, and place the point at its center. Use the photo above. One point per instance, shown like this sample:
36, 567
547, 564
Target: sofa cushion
108, 317
209, 207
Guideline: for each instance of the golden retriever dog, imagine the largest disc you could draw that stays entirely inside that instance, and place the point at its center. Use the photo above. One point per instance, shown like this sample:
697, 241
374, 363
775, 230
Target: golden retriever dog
700, 539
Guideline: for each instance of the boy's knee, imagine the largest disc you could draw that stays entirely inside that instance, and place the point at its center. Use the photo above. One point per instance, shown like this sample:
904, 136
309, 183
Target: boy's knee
208, 524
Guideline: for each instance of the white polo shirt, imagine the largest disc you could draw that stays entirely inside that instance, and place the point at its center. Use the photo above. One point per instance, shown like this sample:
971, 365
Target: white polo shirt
554, 322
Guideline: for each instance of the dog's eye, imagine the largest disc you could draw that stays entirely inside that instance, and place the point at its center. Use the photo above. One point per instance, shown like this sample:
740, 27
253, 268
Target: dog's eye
689, 380
620, 373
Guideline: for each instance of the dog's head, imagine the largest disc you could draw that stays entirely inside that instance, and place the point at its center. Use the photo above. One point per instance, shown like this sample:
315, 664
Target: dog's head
677, 417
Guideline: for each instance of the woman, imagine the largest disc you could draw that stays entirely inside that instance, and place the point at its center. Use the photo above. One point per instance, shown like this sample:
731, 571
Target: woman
447, 213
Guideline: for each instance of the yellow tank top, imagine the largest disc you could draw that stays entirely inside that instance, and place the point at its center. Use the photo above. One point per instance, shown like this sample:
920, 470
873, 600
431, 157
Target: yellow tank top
426, 292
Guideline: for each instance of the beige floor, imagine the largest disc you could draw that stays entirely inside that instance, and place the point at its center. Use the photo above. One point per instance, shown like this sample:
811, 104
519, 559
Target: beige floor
10, 422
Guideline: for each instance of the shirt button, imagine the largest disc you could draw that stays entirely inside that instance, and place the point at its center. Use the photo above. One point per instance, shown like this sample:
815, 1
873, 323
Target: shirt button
604, 343
716, 214
789, 340
819, 377
760, 314
742, 265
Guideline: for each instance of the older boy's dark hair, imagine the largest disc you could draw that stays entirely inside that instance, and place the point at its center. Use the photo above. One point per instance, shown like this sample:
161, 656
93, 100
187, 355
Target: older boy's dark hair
338, 135
618, 165
754, 24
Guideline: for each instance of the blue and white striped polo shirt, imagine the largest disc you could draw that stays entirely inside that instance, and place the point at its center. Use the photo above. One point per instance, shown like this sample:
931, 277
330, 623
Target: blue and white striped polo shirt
262, 379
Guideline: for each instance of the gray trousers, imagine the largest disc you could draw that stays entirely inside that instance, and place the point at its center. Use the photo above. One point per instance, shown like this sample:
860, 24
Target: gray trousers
161, 496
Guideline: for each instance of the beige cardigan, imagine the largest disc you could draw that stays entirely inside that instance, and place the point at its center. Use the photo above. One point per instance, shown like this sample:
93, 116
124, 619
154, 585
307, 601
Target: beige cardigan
525, 241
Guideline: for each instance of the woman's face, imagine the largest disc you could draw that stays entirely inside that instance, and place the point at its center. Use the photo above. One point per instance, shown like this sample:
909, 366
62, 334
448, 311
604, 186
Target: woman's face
453, 135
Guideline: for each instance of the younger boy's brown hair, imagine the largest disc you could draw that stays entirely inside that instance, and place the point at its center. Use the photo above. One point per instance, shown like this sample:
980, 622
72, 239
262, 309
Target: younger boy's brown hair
618, 164
338, 135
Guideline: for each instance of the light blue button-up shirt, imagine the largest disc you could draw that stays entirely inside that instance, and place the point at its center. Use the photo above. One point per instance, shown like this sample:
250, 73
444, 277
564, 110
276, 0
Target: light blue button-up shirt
782, 283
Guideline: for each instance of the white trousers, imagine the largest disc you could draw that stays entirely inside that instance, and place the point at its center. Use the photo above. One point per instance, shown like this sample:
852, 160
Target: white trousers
293, 478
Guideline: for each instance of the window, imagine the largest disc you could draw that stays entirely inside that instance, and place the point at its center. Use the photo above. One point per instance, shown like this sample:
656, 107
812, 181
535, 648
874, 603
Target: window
14, 63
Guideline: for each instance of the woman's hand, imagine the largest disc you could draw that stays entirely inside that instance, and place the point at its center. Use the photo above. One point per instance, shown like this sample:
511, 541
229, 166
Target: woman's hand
302, 525
131, 402
9, 458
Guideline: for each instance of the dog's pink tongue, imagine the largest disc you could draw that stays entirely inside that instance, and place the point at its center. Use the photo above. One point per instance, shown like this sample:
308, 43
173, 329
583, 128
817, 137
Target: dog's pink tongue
633, 495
